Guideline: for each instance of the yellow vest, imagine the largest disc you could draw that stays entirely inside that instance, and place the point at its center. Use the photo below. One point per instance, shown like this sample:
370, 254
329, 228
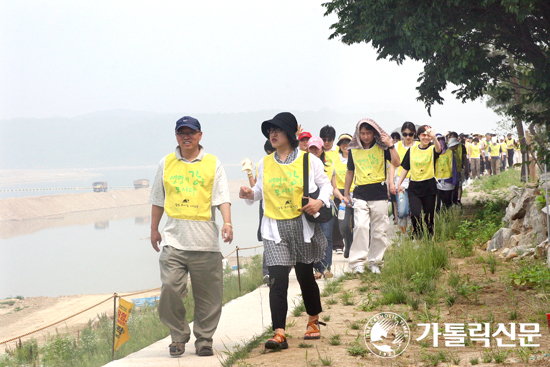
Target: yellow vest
402, 150
341, 170
475, 150
503, 147
495, 149
422, 163
283, 187
329, 168
188, 187
444, 165
332, 156
509, 143
458, 158
369, 165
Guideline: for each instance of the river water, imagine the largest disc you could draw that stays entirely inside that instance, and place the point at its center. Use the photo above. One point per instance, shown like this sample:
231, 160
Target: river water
101, 251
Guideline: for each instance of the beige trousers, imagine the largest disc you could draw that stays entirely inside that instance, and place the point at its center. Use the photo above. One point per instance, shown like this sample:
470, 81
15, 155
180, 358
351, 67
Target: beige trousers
495, 166
369, 232
206, 273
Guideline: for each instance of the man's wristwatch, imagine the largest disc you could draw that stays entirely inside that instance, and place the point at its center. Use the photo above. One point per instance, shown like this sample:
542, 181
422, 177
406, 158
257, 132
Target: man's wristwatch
391, 147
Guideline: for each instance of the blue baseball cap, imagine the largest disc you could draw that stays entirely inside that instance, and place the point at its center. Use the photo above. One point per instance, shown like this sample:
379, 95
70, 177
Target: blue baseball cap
188, 121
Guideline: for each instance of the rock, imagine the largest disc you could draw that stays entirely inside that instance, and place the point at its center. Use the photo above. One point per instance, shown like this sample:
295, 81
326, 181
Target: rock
536, 220
514, 240
528, 252
521, 207
517, 226
532, 185
511, 256
528, 240
542, 250
501, 237
505, 251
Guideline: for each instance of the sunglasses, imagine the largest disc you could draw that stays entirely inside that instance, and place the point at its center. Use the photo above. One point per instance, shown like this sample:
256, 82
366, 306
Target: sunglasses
406, 135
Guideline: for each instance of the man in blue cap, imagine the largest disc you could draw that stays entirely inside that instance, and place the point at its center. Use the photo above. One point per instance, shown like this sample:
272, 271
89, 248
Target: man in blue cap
188, 186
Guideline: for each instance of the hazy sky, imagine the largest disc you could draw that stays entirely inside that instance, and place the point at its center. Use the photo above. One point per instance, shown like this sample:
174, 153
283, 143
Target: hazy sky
67, 58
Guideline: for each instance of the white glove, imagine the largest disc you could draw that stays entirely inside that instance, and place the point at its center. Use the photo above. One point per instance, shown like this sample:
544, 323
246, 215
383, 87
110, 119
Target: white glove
247, 166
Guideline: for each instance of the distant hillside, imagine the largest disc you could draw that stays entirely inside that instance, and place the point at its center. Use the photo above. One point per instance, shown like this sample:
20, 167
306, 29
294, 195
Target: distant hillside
129, 138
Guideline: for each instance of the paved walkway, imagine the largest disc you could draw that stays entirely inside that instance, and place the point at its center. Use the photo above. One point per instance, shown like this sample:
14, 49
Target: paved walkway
241, 319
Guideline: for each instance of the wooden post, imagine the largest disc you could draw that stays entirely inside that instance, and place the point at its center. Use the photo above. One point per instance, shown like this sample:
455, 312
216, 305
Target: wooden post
238, 270
114, 326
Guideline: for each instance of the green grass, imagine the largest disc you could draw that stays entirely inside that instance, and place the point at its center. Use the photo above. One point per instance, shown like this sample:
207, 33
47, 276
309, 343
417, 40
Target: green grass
241, 352
504, 180
92, 347
531, 274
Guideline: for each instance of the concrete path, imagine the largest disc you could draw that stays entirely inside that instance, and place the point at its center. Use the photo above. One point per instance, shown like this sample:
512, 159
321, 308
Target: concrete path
241, 319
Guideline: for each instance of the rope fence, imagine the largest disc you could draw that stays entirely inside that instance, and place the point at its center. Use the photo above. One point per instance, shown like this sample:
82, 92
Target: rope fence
116, 295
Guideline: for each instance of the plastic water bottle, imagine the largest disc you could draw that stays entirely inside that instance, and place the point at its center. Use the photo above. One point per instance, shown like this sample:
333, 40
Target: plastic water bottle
341, 211
401, 198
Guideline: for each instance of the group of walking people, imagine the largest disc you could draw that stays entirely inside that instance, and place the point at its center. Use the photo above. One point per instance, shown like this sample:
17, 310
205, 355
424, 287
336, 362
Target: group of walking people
299, 184
490, 154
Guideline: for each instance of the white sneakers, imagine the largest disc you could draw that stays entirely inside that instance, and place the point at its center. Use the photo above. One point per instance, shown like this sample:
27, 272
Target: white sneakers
374, 269
338, 251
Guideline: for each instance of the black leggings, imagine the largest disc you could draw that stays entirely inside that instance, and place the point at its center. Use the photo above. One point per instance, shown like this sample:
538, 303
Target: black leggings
444, 199
422, 210
278, 277
510, 158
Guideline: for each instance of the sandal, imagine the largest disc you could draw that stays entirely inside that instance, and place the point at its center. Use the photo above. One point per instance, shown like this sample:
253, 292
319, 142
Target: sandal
315, 329
327, 274
277, 342
176, 349
318, 275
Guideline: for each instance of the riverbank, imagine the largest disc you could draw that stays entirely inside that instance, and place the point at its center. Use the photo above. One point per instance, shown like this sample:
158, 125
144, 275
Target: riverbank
56, 206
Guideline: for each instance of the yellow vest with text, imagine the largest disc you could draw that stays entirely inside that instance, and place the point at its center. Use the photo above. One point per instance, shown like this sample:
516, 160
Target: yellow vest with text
369, 165
475, 150
444, 165
188, 187
402, 150
283, 187
495, 149
341, 170
422, 163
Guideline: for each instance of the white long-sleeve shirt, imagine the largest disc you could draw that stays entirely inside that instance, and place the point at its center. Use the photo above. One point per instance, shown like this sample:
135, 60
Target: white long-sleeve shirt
317, 179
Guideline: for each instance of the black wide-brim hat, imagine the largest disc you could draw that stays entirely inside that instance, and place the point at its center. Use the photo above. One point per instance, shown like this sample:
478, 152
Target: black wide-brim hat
284, 120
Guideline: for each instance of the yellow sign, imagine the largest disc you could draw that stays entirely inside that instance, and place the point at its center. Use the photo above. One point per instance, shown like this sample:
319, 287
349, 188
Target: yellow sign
121, 332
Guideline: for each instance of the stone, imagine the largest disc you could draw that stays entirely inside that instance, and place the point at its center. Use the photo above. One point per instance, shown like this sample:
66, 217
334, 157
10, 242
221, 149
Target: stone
517, 226
528, 252
514, 240
501, 237
536, 220
542, 250
511, 256
520, 209
528, 240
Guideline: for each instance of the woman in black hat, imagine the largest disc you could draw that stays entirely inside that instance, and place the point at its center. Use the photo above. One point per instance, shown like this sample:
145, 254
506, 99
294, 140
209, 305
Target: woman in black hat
289, 239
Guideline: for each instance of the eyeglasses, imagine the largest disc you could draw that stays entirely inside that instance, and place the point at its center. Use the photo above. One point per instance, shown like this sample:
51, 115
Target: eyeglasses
187, 133
424, 135
274, 130
406, 134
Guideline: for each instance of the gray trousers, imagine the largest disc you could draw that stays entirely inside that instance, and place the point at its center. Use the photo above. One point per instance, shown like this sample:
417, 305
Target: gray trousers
205, 269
